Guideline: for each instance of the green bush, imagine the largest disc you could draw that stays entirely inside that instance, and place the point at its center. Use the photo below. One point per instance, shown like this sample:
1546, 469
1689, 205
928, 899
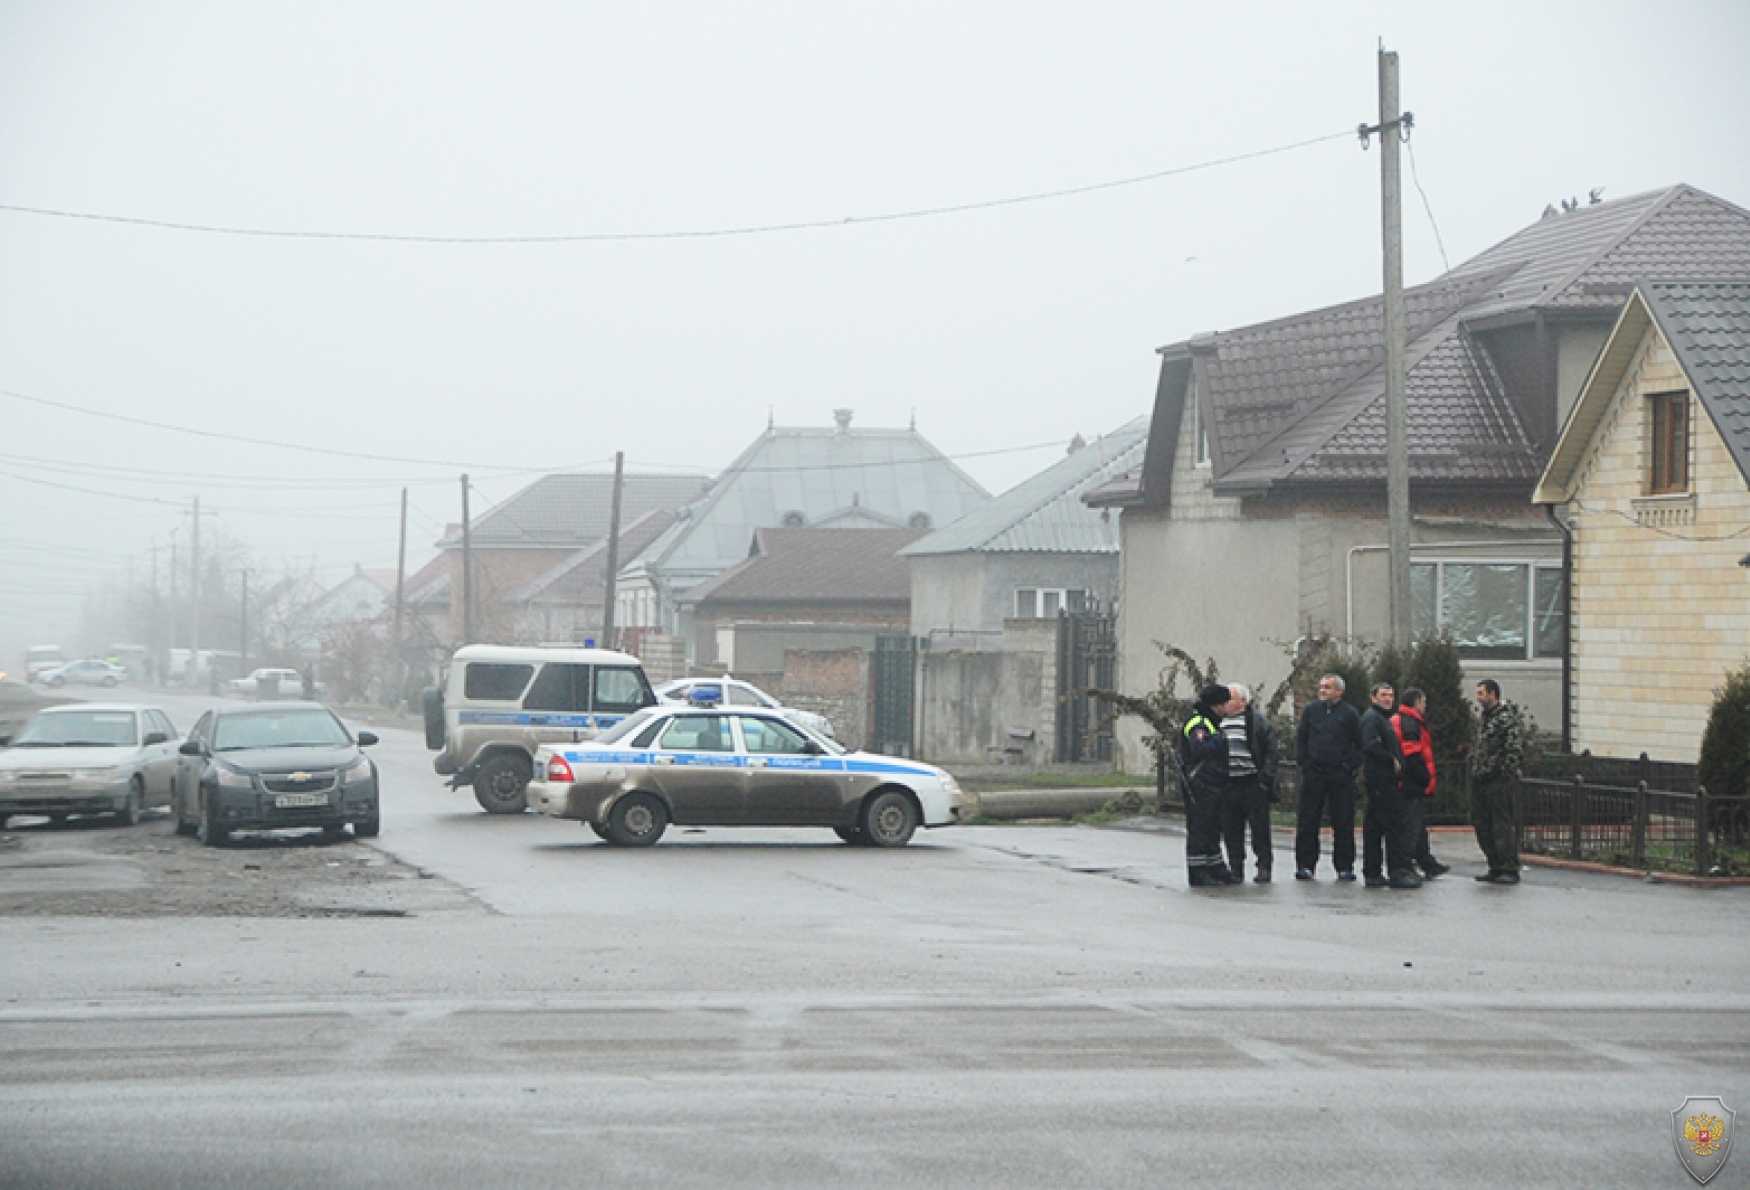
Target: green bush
1724, 765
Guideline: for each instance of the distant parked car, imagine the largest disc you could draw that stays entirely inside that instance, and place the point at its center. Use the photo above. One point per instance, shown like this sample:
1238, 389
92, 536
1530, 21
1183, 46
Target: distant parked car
736, 693
271, 683
84, 673
274, 765
705, 767
89, 758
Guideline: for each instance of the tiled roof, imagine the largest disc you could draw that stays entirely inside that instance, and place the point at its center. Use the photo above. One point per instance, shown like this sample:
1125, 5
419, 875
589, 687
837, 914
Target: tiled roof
1707, 324
1300, 400
800, 477
816, 566
1045, 513
571, 511
580, 578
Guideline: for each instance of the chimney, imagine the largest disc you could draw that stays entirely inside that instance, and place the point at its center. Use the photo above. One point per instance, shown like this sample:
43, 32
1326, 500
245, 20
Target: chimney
843, 418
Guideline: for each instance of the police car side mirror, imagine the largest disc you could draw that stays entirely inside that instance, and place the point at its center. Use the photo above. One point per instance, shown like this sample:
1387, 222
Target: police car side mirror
810, 748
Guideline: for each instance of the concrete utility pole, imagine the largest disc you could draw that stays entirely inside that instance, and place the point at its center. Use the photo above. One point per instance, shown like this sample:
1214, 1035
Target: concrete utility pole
467, 571
1393, 128
194, 630
611, 593
243, 626
400, 578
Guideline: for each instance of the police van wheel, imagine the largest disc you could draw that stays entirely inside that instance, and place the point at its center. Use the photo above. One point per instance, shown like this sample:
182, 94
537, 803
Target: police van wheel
889, 819
432, 708
501, 784
637, 820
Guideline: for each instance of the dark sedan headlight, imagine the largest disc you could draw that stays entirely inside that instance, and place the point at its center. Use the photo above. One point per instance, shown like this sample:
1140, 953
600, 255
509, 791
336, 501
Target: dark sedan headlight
357, 773
230, 778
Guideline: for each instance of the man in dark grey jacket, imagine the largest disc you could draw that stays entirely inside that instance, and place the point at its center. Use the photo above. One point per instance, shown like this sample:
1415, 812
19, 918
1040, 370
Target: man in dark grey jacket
1387, 821
1327, 747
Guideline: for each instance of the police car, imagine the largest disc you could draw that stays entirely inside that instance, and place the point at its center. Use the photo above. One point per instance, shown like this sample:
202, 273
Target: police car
739, 766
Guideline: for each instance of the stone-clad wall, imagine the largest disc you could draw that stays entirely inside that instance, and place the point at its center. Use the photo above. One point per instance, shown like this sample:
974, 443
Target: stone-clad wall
1661, 613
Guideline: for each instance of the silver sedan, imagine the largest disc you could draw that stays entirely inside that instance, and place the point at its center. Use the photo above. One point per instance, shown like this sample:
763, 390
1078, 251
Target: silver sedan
89, 758
712, 767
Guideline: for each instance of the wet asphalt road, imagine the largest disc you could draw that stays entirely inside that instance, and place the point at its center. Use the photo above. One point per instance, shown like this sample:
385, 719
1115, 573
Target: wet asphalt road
994, 1006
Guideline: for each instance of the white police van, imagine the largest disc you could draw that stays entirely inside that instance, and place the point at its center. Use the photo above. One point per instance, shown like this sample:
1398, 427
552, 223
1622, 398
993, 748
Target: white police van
499, 703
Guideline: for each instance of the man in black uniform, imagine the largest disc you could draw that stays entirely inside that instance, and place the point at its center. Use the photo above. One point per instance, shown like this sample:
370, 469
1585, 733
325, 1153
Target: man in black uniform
1388, 817
1203, 766
1327, 746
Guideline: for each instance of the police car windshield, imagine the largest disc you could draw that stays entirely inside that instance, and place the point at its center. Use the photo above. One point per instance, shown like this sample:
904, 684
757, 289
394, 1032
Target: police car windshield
626, 726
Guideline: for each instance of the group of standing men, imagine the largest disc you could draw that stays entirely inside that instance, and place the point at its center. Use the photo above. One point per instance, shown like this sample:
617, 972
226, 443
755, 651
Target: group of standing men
1228, 762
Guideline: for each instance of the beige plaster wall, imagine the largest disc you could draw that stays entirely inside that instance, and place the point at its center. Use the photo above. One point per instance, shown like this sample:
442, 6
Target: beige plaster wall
1661, 612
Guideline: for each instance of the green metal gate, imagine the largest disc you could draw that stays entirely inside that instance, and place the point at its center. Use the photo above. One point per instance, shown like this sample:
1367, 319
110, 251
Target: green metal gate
1087, 658
896, 664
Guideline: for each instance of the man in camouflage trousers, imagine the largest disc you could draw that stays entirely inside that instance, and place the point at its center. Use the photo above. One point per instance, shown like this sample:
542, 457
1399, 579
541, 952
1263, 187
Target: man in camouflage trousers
1494, 767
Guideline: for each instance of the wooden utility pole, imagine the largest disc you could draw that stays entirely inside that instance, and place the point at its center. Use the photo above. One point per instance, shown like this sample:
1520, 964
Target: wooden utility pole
611, 591
1393, 128
467, 571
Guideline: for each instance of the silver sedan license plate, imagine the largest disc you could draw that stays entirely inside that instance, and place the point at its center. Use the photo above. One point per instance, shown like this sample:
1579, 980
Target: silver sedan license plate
287, 801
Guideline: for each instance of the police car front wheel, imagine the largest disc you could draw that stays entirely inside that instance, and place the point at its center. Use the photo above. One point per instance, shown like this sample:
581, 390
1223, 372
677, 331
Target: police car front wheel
889, 819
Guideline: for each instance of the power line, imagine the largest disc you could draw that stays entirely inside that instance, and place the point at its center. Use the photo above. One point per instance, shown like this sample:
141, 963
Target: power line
214, 434
706, 233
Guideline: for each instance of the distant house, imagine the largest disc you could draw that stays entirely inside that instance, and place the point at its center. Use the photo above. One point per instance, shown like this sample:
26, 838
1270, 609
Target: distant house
565, 604
1653, 468
790, 478
1030, 553
803, 589
540, 528
1257, 517
360, 598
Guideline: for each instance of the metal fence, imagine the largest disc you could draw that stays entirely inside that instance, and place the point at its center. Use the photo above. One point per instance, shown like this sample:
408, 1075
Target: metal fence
1634, 826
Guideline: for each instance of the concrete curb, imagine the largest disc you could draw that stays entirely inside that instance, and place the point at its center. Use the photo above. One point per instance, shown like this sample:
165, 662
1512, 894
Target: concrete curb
1649, 874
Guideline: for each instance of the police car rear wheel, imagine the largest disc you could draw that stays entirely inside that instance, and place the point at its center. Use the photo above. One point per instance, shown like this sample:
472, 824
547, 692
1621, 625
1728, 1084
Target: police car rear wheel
637, 820
501, 784
889, 820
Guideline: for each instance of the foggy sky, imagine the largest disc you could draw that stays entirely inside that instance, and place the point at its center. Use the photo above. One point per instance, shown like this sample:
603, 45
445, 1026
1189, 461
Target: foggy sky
1008, 327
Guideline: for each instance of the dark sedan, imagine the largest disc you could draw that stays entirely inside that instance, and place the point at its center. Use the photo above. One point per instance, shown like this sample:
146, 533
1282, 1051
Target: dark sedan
274, 765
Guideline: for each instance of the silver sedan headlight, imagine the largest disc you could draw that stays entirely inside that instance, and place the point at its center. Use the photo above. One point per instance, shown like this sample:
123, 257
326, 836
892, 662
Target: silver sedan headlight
95, 776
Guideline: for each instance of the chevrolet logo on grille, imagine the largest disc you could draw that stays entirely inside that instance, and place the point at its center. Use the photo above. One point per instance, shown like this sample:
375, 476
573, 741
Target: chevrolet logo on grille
300, 777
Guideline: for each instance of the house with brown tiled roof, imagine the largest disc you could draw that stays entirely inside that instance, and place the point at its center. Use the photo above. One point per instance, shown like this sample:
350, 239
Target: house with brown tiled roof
1652, 476
803, 589
1257, 517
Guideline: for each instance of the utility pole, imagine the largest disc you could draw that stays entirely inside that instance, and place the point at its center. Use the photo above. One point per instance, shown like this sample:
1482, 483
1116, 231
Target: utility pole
243, 626
612, 590
467, 571
400, 578
194, 586
1393, 128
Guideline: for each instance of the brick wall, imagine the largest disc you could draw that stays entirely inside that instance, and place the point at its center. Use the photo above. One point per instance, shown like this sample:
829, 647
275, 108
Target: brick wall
1661, 612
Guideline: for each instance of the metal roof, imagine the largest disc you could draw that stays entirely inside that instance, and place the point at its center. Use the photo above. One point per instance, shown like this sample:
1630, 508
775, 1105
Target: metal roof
1045, 514
1300, 400
571, 511
802, 477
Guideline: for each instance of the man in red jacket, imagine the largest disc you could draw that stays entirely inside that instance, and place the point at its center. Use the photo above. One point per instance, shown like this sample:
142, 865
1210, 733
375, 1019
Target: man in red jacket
1419, 777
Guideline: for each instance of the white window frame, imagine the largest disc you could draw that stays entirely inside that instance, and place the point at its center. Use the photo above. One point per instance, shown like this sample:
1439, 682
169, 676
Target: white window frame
1042, 594
1531, 567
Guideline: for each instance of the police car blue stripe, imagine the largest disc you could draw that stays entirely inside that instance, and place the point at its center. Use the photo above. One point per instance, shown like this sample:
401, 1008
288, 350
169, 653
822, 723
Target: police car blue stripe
538, 719
786, 763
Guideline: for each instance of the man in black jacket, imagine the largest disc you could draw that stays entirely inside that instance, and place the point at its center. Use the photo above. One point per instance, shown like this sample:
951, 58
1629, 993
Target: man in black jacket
1388, 817
1327, 746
